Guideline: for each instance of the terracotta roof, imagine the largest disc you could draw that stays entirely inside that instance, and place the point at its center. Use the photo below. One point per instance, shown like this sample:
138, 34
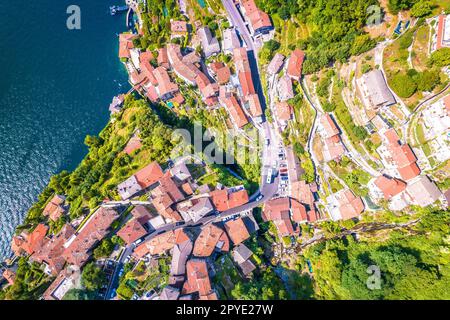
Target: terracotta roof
146, 67
165, 85
163, 59
294, 68
224, 199
133, 144
258, 18
283, 110
298, 211
158, 245
209, 238
178, 26
235, 110
168, 186
410, 171
301, 191
197, 278
54, 208
254, 105
277, 211
223, 75
329, 126
95, 229
350, 206
131, 231
237, 231
246, 81
389, 186
440, 31
125, 44
392, 136
35, 239
52, 250
149, 175
10, 276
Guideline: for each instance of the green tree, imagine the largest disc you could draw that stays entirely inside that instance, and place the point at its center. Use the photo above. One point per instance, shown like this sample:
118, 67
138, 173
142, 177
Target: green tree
92, 277
421, 9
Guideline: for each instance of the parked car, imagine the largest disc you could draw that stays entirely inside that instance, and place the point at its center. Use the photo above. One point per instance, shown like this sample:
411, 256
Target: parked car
259, 197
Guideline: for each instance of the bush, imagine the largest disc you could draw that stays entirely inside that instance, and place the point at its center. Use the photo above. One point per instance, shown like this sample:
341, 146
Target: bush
403, 85
440, 58
427, 80
421, 9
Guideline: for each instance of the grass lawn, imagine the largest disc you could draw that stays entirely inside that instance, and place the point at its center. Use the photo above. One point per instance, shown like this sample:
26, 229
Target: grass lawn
420, 48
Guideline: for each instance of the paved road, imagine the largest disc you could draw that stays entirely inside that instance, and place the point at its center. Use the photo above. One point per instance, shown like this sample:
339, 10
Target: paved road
237, 21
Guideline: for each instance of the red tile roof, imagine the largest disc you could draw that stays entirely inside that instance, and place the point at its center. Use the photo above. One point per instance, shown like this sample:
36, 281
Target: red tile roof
52, 250
197, 278
298, 211
440, 31
350, 206
163, 59
165, 85
277, 210
390, 186
258, 18
224, 199
235, 110
329, 126
254, 105
131, 231
158, 245
410, 171
178, 26
208, 239
10, 276
149, 175
125, 44
294, 68
146, 67
283, 110
54, 208
237, 231
95, 229
133, 144
35, 239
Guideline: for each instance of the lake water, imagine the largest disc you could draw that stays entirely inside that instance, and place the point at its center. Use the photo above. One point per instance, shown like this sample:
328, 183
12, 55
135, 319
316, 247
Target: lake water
55, 88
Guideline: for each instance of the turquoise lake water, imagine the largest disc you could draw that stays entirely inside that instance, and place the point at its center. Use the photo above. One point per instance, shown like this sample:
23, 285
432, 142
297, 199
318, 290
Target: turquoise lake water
55, 88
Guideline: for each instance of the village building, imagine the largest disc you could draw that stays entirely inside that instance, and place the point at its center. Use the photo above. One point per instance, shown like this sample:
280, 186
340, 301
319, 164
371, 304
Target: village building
295, 64
195, 209
237, 231
422, 191
180, 255
141, 180
332, 148
230, 103
132, 231
230, 40
283, 113
221, 72
78, 247
374, 90
126, 44
55, 209
198, 280
344, 205
258, 21
211, 238
278, 211
51, 252
116, 105
275, 64
398, 158
285, 89
443, 32
225, 199
10, 276
241, 255
27, 243
163, 58
178, 28
66, 280
210, 44
388, 187
157, 245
